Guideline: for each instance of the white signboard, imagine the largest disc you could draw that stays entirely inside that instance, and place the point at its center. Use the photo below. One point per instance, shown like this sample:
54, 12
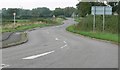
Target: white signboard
100, 10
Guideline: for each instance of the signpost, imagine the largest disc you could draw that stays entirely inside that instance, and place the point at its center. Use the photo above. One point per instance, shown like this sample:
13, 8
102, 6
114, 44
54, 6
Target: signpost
14, 18
100, 10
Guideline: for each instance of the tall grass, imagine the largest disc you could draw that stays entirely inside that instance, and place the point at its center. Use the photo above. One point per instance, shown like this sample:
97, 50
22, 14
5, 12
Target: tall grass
111, 23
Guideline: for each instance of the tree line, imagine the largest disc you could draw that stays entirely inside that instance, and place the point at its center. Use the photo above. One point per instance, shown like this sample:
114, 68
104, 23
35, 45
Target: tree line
84, 8
39, 12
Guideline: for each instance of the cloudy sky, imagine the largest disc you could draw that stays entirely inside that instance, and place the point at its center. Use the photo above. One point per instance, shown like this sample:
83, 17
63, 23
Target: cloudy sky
29, 4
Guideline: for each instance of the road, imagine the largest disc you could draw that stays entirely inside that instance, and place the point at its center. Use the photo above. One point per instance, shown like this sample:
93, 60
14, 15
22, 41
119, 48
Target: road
54, 47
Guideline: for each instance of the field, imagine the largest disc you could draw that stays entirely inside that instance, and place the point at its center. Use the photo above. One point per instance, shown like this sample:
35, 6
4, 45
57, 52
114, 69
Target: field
21, 25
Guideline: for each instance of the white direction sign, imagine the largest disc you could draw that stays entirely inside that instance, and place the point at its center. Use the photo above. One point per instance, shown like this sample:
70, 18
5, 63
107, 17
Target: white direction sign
100, 10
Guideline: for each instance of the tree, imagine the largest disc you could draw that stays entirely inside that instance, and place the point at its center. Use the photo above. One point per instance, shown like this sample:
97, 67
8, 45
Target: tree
114, 6
118, 10
68, 11
8, 13
58, 12
41, 12
84, 8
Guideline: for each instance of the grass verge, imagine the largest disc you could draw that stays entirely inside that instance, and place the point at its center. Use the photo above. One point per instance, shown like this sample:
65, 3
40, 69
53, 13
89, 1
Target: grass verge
97, 35
28, 26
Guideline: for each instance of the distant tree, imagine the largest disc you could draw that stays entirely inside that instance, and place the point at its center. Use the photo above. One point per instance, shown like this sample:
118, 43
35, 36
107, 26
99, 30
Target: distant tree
68, 11
58, 12
84, 8
41, 12
25, 14
114, 6
8, 13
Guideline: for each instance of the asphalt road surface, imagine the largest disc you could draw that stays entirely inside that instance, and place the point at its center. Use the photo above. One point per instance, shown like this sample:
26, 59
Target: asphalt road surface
54, 47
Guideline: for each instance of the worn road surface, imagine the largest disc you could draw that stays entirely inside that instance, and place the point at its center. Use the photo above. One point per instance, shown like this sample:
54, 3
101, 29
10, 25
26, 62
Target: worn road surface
54, 47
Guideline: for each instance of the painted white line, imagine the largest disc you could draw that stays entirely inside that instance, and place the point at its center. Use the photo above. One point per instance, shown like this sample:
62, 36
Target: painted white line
64, 46
56, 39
57, 26
39, 55
17, 33
65, 42
4, 66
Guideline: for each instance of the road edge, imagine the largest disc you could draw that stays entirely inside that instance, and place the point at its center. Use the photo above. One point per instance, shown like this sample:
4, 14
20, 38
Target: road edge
24, 39
107, 41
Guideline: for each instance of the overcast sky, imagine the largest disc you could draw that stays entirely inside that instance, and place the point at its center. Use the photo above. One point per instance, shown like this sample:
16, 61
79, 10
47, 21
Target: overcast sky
29, 4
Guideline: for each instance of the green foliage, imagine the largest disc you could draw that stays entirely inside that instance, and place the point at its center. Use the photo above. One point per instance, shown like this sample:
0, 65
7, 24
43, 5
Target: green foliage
97, 35
25, 27
111, 24
58, 12
41, 12
30, 24
84, 8
68, 11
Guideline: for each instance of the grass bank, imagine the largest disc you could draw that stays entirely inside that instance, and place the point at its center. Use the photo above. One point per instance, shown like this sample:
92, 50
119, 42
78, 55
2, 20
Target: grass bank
111, 23
22, 25
85, 27
97, 35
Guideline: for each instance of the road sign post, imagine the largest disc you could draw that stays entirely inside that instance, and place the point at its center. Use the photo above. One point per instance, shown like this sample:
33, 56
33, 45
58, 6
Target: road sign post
100, 10
94, 19
103, 19
14, 14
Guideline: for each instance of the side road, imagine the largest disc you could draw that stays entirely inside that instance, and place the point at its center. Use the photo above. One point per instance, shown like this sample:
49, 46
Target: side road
10, 39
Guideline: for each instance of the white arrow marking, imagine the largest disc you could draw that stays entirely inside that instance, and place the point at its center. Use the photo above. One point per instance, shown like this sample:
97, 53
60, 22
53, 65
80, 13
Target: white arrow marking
64, 46
56, 39
65, 42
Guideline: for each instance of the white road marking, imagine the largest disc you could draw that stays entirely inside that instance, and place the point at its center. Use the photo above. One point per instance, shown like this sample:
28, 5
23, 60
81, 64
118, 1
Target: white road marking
4, 66
64, 46
65, 42
56, 39
57, 26
17, 33
39, 55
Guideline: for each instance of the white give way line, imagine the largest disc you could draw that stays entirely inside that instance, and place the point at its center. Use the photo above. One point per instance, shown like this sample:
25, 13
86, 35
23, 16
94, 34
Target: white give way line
39, 55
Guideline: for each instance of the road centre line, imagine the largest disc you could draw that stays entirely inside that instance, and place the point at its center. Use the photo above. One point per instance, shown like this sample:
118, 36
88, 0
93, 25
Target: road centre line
39, 55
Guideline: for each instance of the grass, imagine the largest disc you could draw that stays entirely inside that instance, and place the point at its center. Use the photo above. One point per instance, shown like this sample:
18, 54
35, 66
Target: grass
97, 35
111, 23
25, 25
59, 20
